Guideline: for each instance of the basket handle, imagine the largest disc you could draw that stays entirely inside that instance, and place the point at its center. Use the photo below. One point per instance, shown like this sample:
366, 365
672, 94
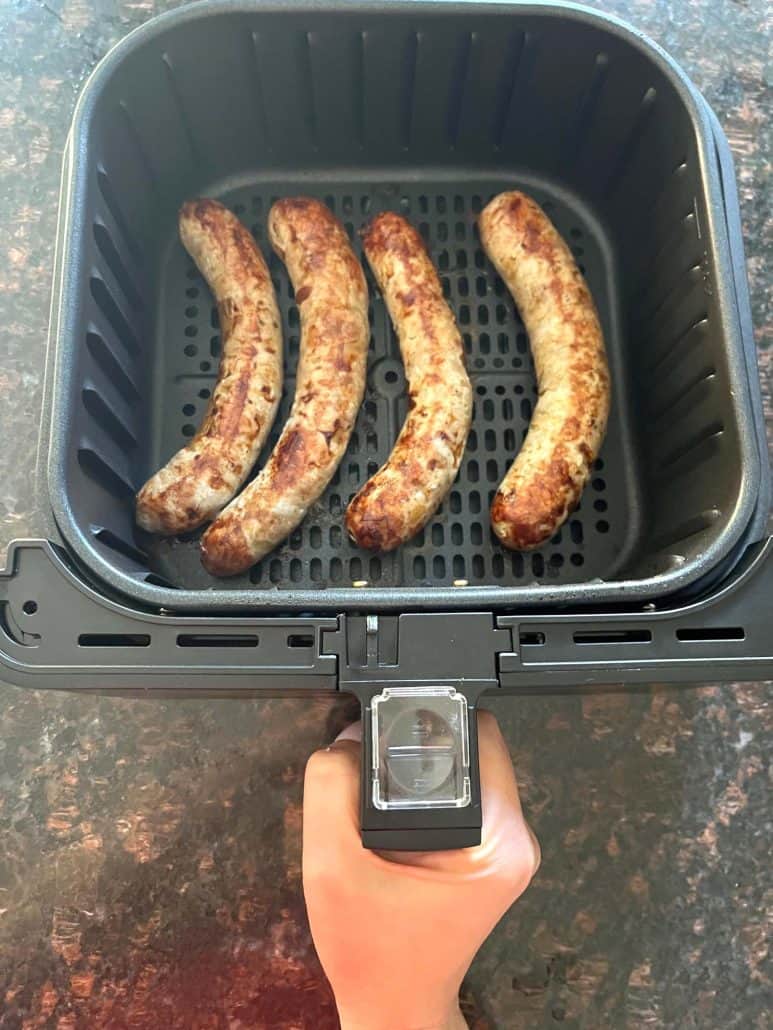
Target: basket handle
418, 677
420, 786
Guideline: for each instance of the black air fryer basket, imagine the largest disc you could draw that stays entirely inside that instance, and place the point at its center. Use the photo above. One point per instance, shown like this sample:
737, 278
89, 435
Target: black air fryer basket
663, 573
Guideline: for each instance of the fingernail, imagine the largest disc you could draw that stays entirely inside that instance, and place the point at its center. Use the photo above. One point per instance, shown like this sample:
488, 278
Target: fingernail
351, 732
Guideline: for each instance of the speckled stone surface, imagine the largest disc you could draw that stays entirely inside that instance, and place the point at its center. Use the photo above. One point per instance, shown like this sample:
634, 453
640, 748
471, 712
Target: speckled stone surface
149, 851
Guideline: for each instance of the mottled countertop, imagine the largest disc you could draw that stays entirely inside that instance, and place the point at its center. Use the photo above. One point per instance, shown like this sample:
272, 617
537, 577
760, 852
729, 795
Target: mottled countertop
149, 851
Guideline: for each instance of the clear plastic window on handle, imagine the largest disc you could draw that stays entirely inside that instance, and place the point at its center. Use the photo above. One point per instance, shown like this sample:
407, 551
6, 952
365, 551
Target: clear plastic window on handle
421, 753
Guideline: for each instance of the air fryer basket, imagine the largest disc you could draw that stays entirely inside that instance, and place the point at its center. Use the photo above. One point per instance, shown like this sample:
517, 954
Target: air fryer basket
662, 573
428, 110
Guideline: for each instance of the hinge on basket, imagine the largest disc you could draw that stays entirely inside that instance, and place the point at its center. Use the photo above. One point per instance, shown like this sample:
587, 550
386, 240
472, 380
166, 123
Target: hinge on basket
418, 648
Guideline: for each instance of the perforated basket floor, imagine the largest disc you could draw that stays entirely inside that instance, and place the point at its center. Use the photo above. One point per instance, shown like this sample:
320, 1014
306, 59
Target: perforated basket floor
457, 546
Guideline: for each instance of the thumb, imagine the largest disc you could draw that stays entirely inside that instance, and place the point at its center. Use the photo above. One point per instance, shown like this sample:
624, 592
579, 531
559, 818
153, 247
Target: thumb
331, 796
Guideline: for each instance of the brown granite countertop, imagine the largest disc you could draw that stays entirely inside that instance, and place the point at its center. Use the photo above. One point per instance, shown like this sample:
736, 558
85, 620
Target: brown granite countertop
149, 850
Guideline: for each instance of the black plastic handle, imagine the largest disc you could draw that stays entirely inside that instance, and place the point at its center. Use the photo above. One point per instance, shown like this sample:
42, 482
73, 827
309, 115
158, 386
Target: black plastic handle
418, 829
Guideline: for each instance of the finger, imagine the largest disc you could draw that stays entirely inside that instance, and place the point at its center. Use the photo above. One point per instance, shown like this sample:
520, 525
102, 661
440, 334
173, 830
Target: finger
331, 806
497, 774
501, 804
502, 815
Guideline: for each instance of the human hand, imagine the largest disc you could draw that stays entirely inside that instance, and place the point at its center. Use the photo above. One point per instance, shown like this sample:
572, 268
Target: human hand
397, 931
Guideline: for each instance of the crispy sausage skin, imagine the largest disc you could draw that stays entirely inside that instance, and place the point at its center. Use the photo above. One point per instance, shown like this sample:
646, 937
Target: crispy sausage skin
332, 297
203, 477
567, 428
405, 492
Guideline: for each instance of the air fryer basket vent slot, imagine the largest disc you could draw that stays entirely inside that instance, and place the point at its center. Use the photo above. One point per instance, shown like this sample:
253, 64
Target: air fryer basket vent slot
701, 635
217, 640
114, 640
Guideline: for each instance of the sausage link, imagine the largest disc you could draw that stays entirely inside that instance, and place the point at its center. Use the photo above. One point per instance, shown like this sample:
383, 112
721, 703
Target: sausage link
332, 297
567, 428
405, 492
203, 477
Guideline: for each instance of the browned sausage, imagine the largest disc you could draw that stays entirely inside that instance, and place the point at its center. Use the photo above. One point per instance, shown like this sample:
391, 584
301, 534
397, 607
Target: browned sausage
203, 477
405, 492
332, 297
567, 429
